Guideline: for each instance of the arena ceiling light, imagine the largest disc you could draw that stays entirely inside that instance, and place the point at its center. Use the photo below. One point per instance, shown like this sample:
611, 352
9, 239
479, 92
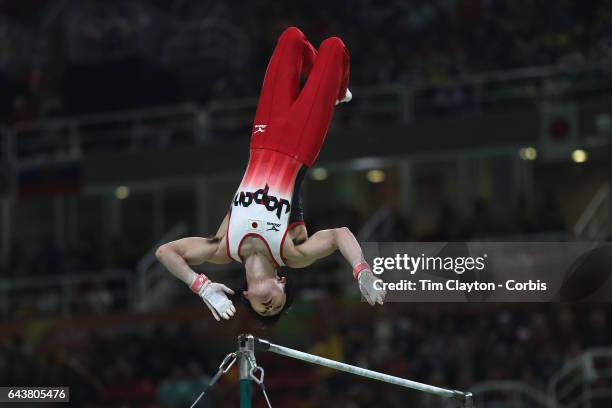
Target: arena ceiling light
122, 192
319, 174
579, 156
528, 153
376, 176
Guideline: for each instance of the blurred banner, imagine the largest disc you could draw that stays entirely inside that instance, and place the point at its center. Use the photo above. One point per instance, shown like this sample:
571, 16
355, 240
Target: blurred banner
558, 129
59, 179
492, 271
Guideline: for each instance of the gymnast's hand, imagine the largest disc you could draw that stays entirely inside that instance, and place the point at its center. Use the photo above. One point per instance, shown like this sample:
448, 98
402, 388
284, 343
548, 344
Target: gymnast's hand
366, 281
214, 295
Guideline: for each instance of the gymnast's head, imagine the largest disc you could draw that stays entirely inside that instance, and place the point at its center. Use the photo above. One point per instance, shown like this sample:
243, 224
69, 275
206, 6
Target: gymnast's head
266, 293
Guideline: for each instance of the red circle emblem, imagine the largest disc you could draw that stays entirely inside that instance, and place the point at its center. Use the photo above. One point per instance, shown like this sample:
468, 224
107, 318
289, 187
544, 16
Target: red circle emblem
254, 224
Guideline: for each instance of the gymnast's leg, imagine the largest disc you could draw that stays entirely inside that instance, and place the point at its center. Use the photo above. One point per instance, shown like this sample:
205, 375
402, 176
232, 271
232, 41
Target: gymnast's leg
292, 57
311, 114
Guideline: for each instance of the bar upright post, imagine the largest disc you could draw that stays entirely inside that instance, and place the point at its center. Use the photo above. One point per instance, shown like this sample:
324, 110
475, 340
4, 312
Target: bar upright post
246, 355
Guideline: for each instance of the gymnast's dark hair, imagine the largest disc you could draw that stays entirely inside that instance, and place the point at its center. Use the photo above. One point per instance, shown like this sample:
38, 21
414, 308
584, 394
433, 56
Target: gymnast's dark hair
269, 321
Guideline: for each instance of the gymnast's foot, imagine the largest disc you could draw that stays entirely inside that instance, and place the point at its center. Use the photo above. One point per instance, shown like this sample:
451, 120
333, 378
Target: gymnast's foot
347, 97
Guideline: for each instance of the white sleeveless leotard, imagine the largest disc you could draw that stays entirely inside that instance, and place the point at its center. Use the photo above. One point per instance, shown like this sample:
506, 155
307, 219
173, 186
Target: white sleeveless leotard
262, 205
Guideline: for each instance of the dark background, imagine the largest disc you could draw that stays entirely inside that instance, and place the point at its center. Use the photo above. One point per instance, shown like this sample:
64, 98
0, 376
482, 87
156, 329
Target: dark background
125, 125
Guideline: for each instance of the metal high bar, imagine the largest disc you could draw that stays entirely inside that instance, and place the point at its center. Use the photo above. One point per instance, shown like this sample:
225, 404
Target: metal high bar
464, 398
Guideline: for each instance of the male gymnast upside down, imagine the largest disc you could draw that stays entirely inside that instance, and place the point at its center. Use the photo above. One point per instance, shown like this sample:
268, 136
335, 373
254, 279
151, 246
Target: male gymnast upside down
289, 129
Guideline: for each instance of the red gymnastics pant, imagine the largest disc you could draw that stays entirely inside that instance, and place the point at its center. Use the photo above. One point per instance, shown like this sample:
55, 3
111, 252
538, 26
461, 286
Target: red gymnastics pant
293, 121
289, 130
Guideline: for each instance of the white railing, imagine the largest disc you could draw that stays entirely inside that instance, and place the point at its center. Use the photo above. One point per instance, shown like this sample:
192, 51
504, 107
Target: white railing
520, 74
61, 294
149, 272
509, 394
70, 137
374, 228
596, 217
584, 382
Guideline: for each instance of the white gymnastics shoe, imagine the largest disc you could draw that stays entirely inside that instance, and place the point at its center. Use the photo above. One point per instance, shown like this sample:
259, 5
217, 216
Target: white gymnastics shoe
347, 97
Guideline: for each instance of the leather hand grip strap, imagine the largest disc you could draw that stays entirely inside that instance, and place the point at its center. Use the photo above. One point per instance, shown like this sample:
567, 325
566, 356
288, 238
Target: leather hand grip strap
360, 267
197, 284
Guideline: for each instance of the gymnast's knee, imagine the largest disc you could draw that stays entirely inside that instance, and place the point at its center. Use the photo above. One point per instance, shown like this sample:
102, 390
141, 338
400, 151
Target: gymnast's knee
292, 35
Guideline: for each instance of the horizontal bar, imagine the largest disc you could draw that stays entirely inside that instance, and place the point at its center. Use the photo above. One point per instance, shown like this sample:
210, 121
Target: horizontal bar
374, 375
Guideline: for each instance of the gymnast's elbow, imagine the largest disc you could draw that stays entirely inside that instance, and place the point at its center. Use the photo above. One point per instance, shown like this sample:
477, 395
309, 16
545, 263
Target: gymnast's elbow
340, 234
342, 231
162, 252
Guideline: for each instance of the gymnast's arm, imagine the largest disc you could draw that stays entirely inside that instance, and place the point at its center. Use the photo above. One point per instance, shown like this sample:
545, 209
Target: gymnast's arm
322, 244
178, 256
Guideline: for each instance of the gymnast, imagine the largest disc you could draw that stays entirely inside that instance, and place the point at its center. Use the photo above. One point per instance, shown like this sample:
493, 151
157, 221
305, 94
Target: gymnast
288, 132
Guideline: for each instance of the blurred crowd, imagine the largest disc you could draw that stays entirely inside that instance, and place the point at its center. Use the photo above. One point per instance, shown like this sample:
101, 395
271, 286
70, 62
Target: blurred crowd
147, 52
92, 276
150, 364
90, 56
483, 219
90, 253
100, 271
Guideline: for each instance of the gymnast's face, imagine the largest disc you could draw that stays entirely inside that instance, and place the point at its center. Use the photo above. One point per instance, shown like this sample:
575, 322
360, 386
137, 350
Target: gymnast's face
267, 296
